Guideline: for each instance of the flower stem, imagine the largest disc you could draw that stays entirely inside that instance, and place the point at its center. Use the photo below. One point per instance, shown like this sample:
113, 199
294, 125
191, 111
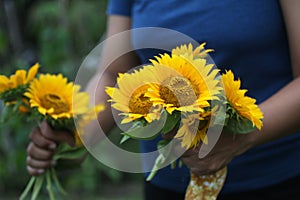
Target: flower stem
157, 165
56, 181
37, 186
28, 187
49, 185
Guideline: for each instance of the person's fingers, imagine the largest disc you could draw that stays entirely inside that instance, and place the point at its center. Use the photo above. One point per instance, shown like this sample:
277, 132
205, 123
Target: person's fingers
38, 153
190, 152
38, 139
196, 166
202, 166
183, 152
39, 164
58, 136
34, 171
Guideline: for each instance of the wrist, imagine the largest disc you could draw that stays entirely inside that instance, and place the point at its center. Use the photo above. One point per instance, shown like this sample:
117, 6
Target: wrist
250, 140
244, 142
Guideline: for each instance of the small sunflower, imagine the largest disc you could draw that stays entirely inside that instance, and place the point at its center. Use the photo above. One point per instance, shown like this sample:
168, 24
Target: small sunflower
5, 84
52, 95
188, 52
193, 130
130, 99
21, 77
243, 105
194, 126
91, 114
84, 120
182, 84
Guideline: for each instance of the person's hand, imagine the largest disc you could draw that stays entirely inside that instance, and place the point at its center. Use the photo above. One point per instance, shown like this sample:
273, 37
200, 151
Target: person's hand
41, 149
227, 147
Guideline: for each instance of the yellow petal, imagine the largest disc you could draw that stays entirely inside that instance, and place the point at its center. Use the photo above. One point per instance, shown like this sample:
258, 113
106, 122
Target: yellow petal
32, 72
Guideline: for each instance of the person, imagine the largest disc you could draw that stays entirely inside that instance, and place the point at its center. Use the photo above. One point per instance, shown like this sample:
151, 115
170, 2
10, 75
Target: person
259, 41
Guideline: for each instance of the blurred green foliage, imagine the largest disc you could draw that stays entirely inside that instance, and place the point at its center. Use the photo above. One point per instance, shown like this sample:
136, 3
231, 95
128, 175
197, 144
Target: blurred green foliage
66, 31
57, 34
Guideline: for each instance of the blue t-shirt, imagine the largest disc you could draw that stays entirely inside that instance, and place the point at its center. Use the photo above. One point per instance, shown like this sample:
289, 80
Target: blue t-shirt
248, 37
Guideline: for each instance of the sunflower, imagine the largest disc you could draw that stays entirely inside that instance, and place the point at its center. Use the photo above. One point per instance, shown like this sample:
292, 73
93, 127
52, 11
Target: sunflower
52, 95
5, 84
181, 84
192, 130
194, 126
20, 78
84, 120
188, 52
130, 99
243, 105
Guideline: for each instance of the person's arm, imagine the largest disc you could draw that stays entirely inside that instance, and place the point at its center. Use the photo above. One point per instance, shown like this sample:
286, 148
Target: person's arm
43, 139
281, 111
107, 72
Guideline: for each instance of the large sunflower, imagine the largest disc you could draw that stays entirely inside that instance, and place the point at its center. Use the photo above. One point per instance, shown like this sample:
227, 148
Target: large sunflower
182, 84
21, 77
53, 95
129, 97
243, 105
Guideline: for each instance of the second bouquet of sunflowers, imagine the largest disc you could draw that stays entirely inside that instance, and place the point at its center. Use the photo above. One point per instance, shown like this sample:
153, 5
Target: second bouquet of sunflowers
50, 98
183, 94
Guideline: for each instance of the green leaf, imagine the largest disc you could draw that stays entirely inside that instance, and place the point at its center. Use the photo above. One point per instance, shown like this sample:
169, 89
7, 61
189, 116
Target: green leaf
166, 151
145, 132
238, 125
124, 139
62, 124
220, 120
161, 144
220, 113
63, 147
14, 94
171, 121
6, 111
71, 153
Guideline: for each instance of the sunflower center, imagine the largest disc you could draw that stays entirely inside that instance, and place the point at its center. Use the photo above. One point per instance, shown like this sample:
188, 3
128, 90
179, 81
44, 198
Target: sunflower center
177, 90
138, 103
54, 101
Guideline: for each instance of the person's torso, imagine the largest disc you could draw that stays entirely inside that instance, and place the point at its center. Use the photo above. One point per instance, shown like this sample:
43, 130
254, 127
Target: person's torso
248, 37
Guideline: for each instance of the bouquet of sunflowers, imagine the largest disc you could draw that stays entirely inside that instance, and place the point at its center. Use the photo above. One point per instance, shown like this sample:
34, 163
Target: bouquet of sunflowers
183, 93
50, 98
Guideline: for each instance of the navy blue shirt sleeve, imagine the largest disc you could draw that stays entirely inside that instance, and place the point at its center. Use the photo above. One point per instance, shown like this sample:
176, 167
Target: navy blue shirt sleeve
119, 7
